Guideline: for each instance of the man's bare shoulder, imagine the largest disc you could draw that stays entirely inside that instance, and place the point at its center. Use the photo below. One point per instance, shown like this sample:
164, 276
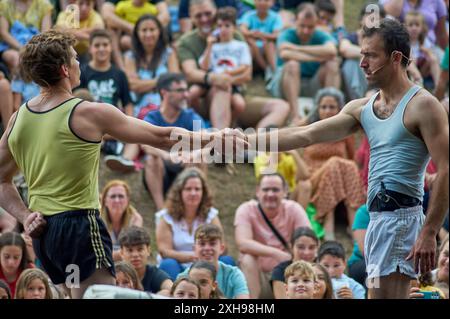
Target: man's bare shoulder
354, 107
94, 108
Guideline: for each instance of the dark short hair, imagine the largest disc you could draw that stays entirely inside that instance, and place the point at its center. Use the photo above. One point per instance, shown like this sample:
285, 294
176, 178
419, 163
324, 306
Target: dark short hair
304, 231
332, 248
133, 235
264, 175
227, 14
99, 33
395, 37
325, 5
165, 81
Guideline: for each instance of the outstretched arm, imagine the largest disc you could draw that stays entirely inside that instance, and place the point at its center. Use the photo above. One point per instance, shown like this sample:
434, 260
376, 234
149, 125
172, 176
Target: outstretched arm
433, 127
92, 121
332, 129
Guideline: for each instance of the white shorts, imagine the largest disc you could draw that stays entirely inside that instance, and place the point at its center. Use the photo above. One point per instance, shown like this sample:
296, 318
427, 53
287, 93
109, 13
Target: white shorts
389, 240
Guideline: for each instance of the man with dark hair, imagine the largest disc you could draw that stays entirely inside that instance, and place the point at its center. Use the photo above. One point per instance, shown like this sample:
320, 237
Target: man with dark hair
404, 125
260, 248
159, 169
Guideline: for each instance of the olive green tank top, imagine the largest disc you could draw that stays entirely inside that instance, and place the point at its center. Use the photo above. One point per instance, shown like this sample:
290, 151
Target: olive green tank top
60, 168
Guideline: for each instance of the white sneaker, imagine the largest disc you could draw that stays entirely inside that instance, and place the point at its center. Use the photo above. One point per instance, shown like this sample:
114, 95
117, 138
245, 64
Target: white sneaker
119, 164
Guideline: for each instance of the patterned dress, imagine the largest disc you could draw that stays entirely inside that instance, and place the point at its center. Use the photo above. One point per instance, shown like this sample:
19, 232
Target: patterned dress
334, 178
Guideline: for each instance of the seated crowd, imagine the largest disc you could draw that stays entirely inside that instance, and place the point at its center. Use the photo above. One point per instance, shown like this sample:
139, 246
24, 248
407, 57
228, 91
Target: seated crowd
192, 69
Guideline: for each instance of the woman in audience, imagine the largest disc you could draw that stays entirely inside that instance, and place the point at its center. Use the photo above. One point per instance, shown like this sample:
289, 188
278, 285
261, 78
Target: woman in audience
334, 174
189, 205
117, 211
151, 56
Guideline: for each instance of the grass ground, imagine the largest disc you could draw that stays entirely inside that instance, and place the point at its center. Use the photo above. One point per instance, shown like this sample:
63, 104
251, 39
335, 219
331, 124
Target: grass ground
229, 191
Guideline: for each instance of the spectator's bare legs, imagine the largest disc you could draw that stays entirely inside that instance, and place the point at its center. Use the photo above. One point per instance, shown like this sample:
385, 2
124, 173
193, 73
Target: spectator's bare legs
220, 107
431, 67
6, 102
256, 54
131, 151
330, 74
185, 25
99, 277
351, 212
328, 226
196, 92
237, 106
274, 112
11, 59
393, 286
154, 174
290, 84
302, 193
250, 268
270, 51
339, 17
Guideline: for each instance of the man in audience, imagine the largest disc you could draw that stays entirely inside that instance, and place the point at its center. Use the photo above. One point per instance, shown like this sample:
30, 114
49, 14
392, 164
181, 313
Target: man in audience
306, 61
263, 228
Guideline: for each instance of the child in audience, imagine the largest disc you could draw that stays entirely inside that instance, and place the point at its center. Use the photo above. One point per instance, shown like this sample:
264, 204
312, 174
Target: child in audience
223, 54
185, 288
135, 249
332, 257
305, 245
421, 48
300, 280
260, 28
33, 283
14, 258
205, 273
126, 276
208, 246
324, 287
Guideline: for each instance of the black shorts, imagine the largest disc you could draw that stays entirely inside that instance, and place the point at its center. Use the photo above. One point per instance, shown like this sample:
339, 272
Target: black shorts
74, 241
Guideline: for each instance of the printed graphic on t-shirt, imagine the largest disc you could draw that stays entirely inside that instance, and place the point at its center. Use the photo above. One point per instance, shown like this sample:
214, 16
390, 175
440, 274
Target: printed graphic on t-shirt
103, 90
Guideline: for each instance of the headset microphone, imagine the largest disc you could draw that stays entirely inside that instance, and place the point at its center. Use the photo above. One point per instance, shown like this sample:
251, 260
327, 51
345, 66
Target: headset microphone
377, 69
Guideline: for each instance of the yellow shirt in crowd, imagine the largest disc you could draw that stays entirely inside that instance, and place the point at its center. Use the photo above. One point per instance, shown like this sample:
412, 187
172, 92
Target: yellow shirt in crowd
66, 21
286, 167
127, 11
33, 16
